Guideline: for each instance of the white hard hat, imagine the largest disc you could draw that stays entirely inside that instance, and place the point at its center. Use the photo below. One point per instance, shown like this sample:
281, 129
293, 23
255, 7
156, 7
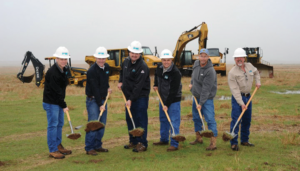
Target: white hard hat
62, 52
239, 52
101, 52
166, 53
135, 47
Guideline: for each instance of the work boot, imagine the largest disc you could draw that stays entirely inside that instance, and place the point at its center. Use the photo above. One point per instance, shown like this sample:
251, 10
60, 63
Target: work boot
92, 152
62, 150
57, 155
198, 139
213, 144
140, 148
129, 146
247, 144
172, 148
235, 147
161, 143
101, 149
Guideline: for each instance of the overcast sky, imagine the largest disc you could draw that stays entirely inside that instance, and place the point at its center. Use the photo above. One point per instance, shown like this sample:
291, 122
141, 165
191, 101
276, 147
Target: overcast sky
41, 26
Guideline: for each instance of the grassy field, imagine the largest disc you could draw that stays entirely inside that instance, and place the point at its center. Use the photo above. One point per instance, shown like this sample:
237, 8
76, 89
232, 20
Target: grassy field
275, 130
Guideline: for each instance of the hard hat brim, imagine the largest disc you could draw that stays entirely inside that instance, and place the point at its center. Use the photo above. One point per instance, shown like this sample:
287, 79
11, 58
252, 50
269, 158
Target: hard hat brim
103, 56
59, 56
134, 51
166, 57
239, 56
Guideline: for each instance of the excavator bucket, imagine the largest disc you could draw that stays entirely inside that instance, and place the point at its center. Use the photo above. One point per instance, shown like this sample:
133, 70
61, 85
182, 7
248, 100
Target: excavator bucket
27, 79
265, 70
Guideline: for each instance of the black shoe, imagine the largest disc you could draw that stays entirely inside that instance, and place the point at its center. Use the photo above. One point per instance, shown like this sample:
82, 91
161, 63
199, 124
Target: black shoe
247, 144
235, 147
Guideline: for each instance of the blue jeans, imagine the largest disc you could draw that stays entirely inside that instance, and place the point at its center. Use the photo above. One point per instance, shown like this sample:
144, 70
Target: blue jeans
208, 111
165, 127
140, 118
245, 120
93, 138
55, 119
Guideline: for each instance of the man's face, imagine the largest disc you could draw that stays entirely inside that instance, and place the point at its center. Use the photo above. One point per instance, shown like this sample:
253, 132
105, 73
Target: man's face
166, 62
203, 58
134, 56
239, 61
101, 61
61, 62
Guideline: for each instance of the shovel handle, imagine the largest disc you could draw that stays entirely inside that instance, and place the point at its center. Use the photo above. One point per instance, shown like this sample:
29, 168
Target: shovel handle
104, 104
130, 115
163, 106
197, 108
247, 105
67, 112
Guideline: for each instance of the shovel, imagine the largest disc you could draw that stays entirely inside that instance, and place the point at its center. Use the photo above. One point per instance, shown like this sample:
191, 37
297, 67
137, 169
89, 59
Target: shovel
95, 125
204, 133
229, 136
73, 136
136, 132
175, 137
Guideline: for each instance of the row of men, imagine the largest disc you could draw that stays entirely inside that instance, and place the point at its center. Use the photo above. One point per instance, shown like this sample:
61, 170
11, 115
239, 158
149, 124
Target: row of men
135, 83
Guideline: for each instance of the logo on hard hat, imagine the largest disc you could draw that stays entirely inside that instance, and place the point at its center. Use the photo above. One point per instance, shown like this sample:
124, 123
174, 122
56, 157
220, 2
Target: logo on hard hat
166, 54
64, 53
136, 48
101, 53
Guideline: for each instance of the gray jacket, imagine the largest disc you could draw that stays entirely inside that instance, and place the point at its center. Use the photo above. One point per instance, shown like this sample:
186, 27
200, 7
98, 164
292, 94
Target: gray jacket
204, 81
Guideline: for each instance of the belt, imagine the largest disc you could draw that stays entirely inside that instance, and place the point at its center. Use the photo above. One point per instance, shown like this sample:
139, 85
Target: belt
92, 97
245, 94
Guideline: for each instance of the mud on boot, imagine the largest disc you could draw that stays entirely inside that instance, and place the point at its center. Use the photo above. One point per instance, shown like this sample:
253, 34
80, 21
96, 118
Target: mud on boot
213, 144
198, 139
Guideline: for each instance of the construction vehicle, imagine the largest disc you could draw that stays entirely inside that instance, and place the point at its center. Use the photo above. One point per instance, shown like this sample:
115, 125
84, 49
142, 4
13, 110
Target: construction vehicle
117, 56
216, 58
76, 76
184, 59
254, 56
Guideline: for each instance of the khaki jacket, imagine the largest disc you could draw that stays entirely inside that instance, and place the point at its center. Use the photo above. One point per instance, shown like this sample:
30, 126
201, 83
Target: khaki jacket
241, 82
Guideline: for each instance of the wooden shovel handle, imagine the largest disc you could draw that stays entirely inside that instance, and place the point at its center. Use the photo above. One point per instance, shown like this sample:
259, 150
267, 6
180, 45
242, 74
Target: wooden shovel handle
247, 104
130, 115
163, 106
197, 108
104, 103
67, 112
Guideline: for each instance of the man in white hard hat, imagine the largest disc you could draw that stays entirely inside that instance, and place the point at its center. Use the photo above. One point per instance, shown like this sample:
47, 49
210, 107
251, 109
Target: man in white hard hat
240, 79
135, 83
168, 83
54, 103
96, 90
204, 88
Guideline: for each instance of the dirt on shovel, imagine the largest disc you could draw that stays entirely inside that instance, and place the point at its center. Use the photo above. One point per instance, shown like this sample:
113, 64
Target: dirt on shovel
138, 132
179, 138
92, 126
74, 136
207, 134
226, 137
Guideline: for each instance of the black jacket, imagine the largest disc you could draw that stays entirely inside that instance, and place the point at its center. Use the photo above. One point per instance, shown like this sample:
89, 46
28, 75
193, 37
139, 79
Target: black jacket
135, 79
55, 86
97, 82
169, 84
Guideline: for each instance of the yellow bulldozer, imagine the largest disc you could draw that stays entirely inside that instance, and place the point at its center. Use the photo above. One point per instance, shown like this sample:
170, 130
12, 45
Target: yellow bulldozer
76, 76
117, 56
254, 56
218, 60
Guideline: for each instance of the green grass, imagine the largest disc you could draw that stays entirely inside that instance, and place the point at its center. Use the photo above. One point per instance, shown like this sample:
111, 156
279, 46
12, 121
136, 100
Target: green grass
274, 131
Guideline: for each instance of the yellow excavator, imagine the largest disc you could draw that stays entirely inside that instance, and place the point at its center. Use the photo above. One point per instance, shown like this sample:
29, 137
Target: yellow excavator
254, 56
218, 60
117, 56
76, 76
184, 59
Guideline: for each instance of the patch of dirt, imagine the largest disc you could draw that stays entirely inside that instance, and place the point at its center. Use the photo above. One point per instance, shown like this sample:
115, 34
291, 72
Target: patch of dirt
224, 106
96, 161
266, 163
2, 163
207, 134
78, 162
209, 154
74, 136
